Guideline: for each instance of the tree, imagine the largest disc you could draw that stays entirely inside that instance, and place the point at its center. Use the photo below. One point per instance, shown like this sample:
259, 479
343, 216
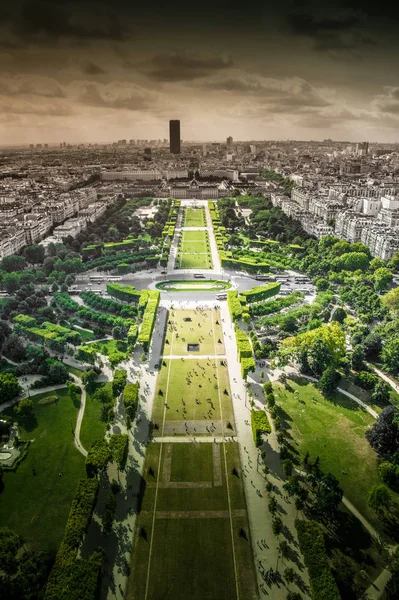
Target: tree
89, 379
10, 544
384, 434
328, 494
24, 407
9, 387
390, 354
57, 373
381, 392
288, 466
382, 278
294, 596
391, 300
117, 333
277, 525
14, 348
339, 315
379, 498
34, 353
328, 381
357, 358
272, 505
34, 254
13, 263
11, 283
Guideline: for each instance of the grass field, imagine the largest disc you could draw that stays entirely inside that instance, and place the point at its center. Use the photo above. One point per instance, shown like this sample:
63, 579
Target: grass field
107, 347
334, 430
192, 554
37, 505
87, 336
74, 370
93, 427
194, 250
194, 217
193, 390
203, 328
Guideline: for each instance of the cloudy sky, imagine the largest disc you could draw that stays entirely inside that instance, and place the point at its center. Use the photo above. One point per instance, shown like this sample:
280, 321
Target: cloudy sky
100, 70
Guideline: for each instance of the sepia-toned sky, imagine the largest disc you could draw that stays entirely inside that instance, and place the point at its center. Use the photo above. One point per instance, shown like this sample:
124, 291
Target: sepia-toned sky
101, 70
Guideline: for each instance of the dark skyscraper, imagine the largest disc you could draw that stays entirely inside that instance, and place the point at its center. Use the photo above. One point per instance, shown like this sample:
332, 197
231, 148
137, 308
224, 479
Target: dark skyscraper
174, 137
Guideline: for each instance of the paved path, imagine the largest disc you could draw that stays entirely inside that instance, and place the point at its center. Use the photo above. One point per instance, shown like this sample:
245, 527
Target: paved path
385, 377
81, 412
260, 519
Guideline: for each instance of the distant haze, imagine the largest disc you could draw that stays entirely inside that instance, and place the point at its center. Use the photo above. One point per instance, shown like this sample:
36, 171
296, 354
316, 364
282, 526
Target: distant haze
98, 71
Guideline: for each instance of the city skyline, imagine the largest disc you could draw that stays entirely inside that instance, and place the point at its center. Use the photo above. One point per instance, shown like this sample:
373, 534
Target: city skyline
306, 72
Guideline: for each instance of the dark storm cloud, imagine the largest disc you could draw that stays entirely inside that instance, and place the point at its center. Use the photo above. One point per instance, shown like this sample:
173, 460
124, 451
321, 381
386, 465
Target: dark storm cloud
117, 96
178, 67
93, 69
45, 21
388, 102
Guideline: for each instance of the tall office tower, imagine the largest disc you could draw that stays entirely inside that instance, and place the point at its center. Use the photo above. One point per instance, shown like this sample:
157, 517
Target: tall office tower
229, 141
174, 137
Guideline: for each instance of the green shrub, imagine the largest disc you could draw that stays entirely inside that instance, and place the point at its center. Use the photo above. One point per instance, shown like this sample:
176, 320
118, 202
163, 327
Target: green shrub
80, 514
127, 293
48, 400
260, 425
149, 318
311, 543
119, 381
244, 347
119, 444
97, 457
262, 292
247, 366
131, 399
234, 305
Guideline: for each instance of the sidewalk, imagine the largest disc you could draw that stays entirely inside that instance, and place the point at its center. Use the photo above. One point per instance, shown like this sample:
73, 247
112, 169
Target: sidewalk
260, 518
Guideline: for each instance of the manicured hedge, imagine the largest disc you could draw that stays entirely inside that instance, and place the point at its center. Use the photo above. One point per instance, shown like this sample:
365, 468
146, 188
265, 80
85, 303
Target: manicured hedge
247, 366
127, 293
80, 514
243, 265
97, 457
132, 333
149, 318
118, 444
73, 578
87, 354
311, 543
234, 305
244, 347
262, 292
260, 425
25, 320
131, 398
274, 306
100, 303
119, 381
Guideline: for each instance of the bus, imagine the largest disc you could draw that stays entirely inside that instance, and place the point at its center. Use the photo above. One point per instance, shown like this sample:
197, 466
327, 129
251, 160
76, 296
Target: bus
199, 276
263, 277
96, 278
221, 296
112, 278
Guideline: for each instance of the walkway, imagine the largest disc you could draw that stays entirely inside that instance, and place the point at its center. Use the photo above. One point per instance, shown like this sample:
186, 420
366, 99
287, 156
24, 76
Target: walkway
260, 518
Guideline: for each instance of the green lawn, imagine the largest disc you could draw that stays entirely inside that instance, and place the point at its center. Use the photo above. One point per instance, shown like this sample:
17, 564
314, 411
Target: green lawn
334, 430
194, 250
108, 347
204, 329
74, 370
192, 557
192, 380
87, 336
93, 428
194, 217
196, 285
37, 505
